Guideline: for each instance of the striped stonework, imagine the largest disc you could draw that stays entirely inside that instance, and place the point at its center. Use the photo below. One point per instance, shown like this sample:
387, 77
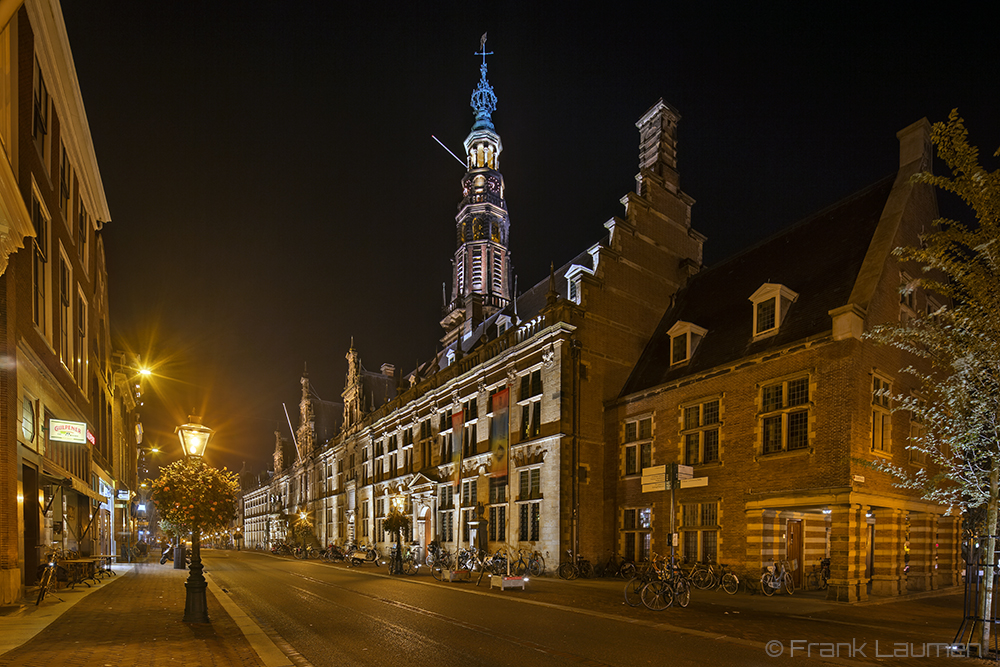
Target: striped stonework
887, 567
848, 546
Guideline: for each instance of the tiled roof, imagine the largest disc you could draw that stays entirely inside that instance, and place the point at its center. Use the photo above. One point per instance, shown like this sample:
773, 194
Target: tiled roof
819, 258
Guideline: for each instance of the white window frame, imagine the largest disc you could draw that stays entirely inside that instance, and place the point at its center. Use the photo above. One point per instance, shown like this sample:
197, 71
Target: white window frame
689, 335
881, 424
700, 428
785, 412
636, 444
783, 299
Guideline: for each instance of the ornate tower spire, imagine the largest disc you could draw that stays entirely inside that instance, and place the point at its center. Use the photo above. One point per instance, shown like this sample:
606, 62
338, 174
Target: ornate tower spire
481, 269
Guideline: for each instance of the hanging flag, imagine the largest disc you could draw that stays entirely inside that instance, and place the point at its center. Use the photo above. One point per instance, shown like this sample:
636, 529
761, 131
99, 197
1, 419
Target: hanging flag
498, 433
457, 426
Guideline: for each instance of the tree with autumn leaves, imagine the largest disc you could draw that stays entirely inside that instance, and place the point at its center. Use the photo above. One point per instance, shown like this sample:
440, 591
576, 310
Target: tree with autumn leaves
193, 494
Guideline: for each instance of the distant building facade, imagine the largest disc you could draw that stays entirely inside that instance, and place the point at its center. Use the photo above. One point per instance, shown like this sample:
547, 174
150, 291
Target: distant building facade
68, 427
500, 437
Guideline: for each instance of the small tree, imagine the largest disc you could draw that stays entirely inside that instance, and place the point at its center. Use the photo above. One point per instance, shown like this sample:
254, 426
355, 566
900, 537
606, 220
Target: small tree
192, 494
960, 402
395, 523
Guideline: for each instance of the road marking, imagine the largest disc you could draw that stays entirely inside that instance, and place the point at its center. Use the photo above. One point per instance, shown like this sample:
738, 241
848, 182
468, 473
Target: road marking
262, 644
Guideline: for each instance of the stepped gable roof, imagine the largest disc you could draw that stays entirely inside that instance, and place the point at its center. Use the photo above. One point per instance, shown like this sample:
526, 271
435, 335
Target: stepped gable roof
819, 258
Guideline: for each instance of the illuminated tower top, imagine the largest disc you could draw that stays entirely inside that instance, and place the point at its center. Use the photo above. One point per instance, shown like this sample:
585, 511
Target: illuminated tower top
481, 269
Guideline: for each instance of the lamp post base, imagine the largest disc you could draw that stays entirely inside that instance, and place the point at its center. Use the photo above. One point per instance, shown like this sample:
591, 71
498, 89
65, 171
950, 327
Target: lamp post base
196, 603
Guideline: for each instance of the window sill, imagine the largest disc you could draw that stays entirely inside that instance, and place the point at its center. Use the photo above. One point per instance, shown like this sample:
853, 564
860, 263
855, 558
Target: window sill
787, 454
881, 453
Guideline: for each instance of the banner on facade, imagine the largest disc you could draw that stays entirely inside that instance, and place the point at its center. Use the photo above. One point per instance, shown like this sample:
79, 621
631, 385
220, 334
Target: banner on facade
457, 425
498, 433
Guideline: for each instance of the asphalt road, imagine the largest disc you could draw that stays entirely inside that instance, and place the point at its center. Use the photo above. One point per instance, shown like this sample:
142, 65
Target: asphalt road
322, 614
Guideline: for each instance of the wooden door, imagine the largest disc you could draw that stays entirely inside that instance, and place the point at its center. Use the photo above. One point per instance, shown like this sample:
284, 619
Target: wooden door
794, 550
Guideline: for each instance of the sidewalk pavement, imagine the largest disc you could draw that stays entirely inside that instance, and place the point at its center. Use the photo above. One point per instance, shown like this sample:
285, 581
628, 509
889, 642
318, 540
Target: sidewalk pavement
133, 618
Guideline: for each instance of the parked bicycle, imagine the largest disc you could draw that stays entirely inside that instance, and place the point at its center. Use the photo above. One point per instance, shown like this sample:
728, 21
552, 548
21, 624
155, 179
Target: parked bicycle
777, 577
819, 577
670, 587
622, 568
708, 576
48, 581
575, 567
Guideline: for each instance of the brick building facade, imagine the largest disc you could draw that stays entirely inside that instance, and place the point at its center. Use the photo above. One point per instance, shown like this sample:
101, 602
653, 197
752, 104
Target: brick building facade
57, 480
759, 378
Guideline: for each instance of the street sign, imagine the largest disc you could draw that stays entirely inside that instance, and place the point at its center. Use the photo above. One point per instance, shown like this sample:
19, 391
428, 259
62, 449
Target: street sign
660, 486
685, 472
697, 481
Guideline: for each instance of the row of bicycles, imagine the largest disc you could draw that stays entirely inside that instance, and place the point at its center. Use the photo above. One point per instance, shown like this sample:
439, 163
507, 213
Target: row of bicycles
501, 562
656, 585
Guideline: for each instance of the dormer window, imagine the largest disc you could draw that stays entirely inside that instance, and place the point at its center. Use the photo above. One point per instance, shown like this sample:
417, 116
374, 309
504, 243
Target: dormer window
574, 278
684, 340
770, 305
450, 356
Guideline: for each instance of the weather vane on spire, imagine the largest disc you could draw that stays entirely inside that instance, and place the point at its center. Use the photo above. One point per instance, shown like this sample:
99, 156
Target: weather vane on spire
484, 100
482, 51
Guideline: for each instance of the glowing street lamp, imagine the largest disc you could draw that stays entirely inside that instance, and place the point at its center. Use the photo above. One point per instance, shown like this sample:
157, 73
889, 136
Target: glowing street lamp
194, 439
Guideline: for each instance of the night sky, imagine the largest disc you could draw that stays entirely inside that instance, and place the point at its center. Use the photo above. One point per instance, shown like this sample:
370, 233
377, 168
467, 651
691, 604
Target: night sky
275, 190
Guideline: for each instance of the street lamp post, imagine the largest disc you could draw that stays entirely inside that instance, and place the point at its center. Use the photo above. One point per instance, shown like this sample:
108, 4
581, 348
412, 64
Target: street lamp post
194, 439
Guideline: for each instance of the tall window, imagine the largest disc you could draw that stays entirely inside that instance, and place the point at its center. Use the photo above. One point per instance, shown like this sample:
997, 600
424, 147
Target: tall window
918, 431
638, 450
785, 415
65, 180
881, 431
529, 528
470, 437
530, 398
80, 346
701, 433
39, 270
40, 111
637, 526
700, 523
82, 234
65, 315
498, 509
529, 507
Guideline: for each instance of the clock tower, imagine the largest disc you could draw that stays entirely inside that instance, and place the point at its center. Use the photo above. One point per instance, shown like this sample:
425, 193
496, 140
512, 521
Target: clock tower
481, 269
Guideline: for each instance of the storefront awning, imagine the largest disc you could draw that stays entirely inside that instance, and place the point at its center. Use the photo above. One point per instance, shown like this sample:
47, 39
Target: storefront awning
56, 473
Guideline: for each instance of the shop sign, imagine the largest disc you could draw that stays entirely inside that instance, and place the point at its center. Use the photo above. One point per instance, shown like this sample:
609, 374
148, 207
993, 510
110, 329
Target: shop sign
124, 494
66, 431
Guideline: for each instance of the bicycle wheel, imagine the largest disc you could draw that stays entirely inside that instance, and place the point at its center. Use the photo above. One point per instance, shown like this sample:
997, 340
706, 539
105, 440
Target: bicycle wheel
787, 584
682, 592
633, 591
46, 581
730, 583
586, 570
519, 567
436, 570
702, 579
627, 570
536, 567
657, 595
567, 571
767, 584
